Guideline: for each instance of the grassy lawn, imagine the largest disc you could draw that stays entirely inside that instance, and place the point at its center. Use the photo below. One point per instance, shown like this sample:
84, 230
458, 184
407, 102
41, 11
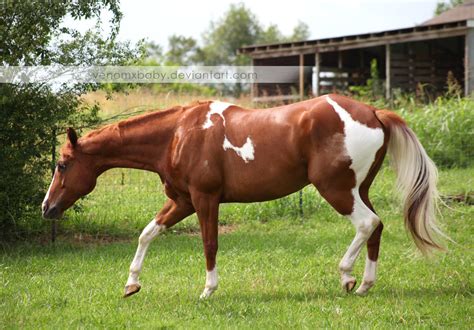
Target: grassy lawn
276, 269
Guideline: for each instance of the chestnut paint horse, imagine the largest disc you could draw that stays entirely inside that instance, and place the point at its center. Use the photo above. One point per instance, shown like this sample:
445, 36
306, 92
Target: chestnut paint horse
214, 152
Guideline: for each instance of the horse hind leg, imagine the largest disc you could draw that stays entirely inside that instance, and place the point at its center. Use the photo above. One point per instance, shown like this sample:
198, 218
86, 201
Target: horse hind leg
339, 191
373, 244
365, 222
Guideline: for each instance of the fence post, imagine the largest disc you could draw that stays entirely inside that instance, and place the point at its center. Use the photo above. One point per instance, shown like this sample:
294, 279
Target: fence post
301, 203
53, 167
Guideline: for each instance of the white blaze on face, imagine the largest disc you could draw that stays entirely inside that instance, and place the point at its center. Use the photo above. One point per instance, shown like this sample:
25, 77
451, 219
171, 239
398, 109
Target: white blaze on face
246, 152
47, 193
216, 108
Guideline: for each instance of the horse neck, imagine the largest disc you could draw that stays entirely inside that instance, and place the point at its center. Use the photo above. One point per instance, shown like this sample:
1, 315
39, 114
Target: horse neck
141, 142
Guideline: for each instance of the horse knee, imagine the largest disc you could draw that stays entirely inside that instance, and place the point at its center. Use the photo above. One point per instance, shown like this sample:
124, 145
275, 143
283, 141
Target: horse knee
366, 225
150, 232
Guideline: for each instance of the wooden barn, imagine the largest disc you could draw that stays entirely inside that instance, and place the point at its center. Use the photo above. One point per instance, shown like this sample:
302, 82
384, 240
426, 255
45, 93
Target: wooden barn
407, 58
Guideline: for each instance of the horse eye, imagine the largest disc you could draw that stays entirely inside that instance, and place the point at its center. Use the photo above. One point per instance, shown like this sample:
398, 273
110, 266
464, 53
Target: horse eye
61, 166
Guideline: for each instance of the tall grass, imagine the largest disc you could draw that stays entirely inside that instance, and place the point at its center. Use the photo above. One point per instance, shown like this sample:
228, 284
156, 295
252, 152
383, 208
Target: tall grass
446, 129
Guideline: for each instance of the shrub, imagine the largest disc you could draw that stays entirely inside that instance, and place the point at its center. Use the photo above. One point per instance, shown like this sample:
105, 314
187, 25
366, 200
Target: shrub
446, 130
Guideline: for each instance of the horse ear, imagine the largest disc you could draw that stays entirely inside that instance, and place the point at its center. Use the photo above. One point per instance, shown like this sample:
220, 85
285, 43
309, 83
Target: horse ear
72, 136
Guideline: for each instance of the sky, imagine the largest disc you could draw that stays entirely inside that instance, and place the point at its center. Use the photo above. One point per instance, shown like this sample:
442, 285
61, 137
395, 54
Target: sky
156, 20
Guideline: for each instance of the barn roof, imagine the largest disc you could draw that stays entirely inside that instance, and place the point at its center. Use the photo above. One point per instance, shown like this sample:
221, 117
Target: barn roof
459, 13
453, 22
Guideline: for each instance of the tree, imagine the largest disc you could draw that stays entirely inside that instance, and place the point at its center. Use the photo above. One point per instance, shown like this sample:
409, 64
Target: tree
181, 50
154, 52
443, 6
238, 27
271, 34
300, 32
32, 115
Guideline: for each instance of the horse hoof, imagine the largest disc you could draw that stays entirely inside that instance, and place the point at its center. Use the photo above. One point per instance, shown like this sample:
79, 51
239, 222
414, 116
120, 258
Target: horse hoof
206, 293
361, 291
349, 285
131, 289
364, 288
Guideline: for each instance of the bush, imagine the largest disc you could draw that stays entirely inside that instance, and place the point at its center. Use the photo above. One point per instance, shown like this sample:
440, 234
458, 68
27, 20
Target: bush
446, 130
30, 116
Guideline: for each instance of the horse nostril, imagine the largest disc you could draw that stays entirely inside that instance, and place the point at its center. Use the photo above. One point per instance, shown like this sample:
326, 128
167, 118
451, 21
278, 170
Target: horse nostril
52, 211
45, 207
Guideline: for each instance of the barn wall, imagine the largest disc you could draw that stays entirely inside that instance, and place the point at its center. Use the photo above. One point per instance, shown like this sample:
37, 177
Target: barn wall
415, 67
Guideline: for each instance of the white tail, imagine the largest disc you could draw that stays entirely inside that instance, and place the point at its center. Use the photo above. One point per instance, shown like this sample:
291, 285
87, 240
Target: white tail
416, 179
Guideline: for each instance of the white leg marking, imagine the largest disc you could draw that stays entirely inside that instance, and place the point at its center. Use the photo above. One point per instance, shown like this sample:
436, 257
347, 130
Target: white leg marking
365, 222
217, 108
362, 143
147, 235
369, 276
246, 152
211, 283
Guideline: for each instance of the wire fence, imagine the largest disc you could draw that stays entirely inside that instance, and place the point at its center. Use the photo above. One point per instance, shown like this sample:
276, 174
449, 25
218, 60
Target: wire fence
136, 195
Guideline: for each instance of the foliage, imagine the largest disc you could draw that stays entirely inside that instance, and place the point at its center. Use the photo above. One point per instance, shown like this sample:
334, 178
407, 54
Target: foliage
182, 50
443, 6
374, 86
237, 28
446, 130
31, 116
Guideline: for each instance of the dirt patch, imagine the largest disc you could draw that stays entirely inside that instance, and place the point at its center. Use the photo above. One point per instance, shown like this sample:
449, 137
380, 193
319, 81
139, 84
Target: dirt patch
467, 198
101, 239
194, 231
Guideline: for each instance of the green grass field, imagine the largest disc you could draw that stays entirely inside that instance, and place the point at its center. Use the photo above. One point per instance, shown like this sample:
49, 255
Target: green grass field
277, 270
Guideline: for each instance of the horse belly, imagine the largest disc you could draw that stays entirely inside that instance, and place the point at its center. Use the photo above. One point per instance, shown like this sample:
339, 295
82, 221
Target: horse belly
264, 182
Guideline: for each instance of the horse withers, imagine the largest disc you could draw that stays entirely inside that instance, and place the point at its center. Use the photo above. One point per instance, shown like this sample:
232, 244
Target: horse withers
214, 152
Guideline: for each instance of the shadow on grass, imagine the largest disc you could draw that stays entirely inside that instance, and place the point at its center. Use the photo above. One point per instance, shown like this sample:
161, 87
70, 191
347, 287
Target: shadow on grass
375, 294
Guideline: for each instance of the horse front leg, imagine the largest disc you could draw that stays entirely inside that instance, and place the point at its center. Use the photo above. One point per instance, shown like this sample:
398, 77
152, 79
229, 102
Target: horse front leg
207, 209
171, 213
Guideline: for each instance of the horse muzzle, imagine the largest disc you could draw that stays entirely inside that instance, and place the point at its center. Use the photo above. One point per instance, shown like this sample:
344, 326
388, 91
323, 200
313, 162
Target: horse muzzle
51, 212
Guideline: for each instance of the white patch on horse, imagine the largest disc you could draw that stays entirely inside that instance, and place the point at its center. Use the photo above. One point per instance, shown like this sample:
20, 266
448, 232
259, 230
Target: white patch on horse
47, 193
246, 152
216, 108
211, 283
362, 142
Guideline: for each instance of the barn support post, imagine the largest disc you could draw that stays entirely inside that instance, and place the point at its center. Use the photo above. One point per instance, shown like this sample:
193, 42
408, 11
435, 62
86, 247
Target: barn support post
301, 89
340, 82
316, 70
253, 85
388, 64
469, 60
301, 76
